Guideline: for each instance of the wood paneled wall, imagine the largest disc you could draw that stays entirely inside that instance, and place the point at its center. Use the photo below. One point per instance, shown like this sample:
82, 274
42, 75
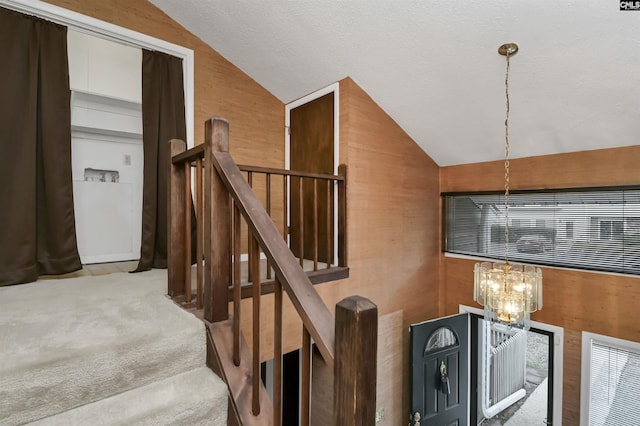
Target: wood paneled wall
577, 301
392, 211
393, 218
393, 222
256, 117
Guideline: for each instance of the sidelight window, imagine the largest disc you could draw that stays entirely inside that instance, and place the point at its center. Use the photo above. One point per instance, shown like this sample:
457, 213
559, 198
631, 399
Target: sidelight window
610, 381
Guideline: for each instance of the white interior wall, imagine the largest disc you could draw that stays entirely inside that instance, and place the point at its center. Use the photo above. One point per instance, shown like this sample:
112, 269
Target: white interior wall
104, 67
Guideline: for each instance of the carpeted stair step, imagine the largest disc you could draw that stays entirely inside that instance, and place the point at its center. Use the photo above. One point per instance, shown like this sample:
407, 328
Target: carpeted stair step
197, 397
70, 342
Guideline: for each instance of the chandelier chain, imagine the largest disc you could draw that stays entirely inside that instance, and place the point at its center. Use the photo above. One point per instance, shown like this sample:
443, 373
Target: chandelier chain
506, 164
509, 293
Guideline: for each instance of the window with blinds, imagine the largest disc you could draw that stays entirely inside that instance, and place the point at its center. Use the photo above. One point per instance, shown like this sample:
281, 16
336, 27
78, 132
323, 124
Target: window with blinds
596, 229
611, 375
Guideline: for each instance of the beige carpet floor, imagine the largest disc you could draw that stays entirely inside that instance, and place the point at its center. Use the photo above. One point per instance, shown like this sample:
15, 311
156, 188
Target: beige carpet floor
69, 342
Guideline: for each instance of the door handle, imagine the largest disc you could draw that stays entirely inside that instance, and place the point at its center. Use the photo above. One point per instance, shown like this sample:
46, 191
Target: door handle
444, 379
415, 419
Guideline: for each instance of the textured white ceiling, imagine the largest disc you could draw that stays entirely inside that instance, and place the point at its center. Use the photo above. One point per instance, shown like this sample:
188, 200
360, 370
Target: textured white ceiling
433, 65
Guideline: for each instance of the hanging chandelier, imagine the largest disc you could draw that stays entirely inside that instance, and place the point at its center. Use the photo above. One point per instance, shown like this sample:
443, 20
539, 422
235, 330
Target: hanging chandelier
509, 292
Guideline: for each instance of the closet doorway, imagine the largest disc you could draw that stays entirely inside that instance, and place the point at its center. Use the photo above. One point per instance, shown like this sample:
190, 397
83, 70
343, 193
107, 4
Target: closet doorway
106, 148
312, 145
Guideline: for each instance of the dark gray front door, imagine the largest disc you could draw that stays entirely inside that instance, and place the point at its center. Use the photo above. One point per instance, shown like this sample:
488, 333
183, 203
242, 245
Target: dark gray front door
436, 346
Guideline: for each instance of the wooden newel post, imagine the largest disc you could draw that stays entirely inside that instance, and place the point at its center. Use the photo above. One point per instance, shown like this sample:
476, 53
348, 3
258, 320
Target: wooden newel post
217, 225
356, 347
176, 221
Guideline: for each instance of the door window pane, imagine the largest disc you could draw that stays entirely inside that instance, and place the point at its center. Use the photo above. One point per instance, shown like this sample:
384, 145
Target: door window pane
442, 338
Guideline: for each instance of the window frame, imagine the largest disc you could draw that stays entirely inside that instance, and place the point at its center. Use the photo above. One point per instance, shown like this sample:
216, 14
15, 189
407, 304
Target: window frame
487, 256
585, 377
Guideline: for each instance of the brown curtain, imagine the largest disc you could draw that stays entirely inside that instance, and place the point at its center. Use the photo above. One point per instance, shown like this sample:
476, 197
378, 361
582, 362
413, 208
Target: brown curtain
37, 224
163, 119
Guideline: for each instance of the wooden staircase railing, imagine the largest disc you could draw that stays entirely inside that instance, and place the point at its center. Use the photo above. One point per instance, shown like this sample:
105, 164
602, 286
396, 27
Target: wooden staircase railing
223, 204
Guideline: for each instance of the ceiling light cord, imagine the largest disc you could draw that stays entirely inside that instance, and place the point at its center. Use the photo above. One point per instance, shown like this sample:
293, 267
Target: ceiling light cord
506, 164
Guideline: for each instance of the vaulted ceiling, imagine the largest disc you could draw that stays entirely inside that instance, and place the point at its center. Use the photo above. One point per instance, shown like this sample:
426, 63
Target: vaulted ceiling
433, 65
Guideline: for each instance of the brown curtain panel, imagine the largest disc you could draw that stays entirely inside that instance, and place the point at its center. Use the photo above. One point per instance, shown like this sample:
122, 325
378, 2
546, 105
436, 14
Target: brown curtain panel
37, 224
163, 119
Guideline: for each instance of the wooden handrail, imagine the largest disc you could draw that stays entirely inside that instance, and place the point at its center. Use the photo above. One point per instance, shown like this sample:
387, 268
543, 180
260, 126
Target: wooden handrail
294, 173
189, 155
197, 151
229, 200
310, 307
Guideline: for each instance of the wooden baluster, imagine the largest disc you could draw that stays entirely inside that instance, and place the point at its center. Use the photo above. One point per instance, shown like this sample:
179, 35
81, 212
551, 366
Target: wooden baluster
231, 231
237, 297
305, 409
354, 372
217, 226
285, 212
175, 213
268, 184
301, 220
249, 236
254, 256
277, 354
329, 234
315, 224
187, 232
199, 234
342, 216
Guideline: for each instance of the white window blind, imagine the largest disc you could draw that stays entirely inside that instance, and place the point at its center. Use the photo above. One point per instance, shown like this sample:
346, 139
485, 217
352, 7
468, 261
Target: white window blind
614, 382
596, 229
